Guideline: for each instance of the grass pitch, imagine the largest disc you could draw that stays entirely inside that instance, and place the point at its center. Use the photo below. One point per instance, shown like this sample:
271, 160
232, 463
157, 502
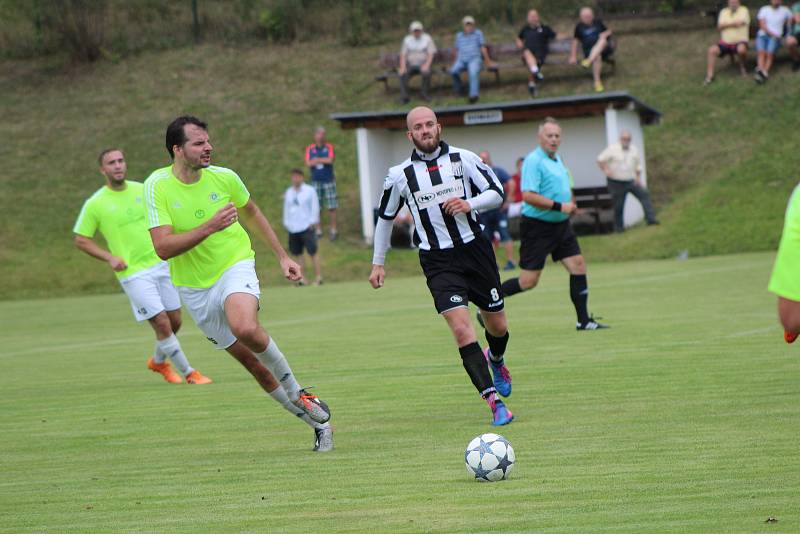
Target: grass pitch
683, 417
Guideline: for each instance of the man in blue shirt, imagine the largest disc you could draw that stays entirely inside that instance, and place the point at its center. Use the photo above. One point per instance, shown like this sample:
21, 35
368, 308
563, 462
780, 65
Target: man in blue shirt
545, 228
471, 52
495, 221
319, 159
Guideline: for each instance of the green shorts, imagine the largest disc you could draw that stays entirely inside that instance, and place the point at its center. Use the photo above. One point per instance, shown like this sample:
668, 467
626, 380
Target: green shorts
785, 281
326, 192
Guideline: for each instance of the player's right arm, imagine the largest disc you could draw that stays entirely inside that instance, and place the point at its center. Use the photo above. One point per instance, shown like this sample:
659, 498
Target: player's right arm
169, 244
391, 202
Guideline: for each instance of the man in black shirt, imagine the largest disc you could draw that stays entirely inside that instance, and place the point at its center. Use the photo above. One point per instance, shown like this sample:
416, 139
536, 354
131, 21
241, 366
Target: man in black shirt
534, 39
594, 38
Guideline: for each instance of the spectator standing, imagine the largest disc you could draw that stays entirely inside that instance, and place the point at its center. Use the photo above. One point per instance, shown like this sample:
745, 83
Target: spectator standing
471, 53
300, 218
733, 24
416, 56
622, 165
793, 41
496, 220
319, 159
534, 41
595, 40
514, 192
773, 23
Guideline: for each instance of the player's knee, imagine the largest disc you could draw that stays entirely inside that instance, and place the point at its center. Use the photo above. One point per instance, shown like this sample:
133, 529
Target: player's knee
175, 322
463, 333
246, 331
496, 324
528, 282
161, 324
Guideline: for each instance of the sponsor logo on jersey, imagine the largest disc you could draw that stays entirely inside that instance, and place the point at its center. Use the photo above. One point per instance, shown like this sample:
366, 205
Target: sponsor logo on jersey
439, 193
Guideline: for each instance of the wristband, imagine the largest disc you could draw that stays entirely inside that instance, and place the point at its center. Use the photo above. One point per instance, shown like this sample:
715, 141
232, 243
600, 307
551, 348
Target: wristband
556, 206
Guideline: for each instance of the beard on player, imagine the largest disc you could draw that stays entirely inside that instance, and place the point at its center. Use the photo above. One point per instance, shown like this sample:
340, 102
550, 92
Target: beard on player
428, 142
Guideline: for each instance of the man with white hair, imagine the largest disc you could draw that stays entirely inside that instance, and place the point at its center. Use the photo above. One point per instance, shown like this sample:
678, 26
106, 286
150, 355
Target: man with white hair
594, 39
416, 56
622, 165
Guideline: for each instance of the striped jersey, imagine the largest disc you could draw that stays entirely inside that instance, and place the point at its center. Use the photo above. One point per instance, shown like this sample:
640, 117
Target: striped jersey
426, 181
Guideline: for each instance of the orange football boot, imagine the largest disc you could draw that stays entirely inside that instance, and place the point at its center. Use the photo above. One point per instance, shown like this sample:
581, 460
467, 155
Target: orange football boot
165, 370
789, 337
196, 378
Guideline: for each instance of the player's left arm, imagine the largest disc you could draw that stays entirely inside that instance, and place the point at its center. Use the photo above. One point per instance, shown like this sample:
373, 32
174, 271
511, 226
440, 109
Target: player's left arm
255, 221
483, 177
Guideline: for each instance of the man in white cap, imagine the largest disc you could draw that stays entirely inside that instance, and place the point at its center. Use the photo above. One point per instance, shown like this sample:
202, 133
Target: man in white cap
416, 56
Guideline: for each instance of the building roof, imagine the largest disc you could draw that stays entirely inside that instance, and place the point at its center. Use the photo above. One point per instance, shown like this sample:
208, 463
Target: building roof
504, 112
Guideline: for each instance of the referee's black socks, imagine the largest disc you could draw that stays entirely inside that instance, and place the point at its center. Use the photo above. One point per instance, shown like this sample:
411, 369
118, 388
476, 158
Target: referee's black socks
497, 346
579, 293
478, 371
511, 287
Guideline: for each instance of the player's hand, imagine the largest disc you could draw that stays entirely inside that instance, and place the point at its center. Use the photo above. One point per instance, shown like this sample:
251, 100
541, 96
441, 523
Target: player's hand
225, 216
291, 270
454, 206
568, 208
117, 264
377, 276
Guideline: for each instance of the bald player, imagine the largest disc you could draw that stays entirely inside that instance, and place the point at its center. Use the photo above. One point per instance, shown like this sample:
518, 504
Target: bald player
445, 187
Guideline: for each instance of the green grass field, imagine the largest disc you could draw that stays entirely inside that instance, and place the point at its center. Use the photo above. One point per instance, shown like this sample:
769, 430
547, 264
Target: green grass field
681, 418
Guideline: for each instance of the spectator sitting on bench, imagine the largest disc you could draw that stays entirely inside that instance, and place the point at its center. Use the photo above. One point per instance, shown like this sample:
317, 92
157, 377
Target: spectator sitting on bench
534, 39
471, 52
734, 29
773, 21
621, 164
416, 56
594, 38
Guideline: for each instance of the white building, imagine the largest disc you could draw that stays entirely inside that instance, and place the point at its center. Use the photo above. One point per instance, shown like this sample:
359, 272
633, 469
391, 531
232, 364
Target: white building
508, 131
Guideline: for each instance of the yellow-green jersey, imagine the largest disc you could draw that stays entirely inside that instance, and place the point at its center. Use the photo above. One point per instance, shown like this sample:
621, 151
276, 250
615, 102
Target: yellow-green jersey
785, 280
171, 202
120, 217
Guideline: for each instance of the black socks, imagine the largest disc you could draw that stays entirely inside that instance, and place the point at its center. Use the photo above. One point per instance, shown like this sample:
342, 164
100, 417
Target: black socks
497, 347
475, 365
511, 287
579, 293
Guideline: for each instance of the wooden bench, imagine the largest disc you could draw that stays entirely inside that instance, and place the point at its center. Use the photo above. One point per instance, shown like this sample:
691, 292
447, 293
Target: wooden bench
506, 57
652, 9
596, 202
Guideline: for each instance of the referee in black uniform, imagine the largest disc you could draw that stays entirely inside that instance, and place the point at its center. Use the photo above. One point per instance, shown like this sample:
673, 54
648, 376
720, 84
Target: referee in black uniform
445, 187
545, 229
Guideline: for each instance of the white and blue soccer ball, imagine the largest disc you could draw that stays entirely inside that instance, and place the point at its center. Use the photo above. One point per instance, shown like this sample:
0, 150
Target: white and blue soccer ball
489, 457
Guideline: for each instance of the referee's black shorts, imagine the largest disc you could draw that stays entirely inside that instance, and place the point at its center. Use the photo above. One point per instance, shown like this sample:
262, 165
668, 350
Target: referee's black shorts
539, 238
465, 273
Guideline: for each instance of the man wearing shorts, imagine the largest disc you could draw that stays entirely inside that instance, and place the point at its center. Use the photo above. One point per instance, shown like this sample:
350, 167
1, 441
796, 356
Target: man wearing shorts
444, 188
545, 228
319, 159
193, 210
594, 38
534, 41
773, 21
733, 24
117, 211
785, 281
300, 217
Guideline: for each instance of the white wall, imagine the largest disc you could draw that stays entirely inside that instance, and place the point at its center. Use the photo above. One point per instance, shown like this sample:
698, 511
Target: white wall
582, 140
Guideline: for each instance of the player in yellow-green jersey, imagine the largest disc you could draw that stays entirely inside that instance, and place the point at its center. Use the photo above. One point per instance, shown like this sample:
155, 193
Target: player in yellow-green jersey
785, 281
117, 211
193, 211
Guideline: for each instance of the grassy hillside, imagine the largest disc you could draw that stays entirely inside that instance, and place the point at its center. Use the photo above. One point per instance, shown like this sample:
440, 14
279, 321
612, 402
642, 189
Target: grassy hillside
721, 164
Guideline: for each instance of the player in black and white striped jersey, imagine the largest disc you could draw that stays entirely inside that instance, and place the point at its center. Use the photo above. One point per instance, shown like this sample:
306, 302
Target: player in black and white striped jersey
444, 188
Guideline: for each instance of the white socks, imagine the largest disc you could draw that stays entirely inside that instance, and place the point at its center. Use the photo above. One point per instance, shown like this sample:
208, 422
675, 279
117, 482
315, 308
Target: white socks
281, 398
274, 360
172, 348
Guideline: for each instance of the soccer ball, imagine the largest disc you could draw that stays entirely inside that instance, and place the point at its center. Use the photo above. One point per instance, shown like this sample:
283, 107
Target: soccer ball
489, 458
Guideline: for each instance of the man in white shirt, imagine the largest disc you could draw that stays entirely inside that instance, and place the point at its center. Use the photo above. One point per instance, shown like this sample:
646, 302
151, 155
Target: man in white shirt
300, 217
416, 56
773, 22
622, 165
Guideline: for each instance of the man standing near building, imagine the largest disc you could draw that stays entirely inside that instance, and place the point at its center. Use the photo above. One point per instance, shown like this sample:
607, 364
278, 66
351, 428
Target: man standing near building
496, 220
545, 229
534, 41
319, 159
444, 187
193, 210
622, 165
471, 54
117, 211
416, 56
300, 217
785, 281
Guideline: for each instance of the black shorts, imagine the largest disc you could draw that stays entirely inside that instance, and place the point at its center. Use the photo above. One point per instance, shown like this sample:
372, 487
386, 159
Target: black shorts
301, 240
540, 238
607, 52
728, 49
466, 273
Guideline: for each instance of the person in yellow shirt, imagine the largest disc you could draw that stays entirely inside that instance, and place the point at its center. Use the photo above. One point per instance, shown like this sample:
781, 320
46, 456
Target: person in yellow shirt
734, 28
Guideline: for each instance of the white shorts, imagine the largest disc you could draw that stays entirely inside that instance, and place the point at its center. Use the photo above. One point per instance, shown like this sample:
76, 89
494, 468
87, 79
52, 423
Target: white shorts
151, 292
206, 305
